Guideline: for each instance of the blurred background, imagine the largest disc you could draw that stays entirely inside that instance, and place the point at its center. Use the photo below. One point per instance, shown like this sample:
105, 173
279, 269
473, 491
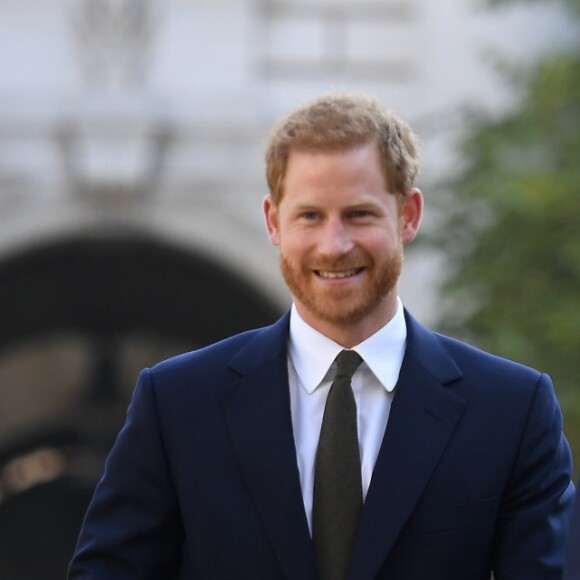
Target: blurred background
132, 135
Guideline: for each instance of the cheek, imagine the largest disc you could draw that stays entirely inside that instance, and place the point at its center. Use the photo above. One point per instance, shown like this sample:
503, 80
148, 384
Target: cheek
297, 241
379, 241
293, 249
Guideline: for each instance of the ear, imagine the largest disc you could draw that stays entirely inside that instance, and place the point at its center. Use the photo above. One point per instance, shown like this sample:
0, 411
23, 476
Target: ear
411, 213
272, 220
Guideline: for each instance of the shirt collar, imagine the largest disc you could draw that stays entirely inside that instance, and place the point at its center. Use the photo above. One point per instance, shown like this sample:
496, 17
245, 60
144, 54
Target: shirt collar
312, 353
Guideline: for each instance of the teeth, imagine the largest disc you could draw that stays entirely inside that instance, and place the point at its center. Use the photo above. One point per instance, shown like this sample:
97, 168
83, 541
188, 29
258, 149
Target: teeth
334, 275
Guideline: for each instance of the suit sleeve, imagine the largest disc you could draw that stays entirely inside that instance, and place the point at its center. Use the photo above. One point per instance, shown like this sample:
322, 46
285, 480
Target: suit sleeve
572, 567
132, 528
536, 506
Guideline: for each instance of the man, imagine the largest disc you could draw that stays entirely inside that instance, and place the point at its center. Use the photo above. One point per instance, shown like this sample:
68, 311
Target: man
227, 466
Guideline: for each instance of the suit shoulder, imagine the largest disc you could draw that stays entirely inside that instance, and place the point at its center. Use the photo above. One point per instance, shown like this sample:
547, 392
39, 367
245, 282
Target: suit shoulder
213, 354
483, 363
216, 367
435, 350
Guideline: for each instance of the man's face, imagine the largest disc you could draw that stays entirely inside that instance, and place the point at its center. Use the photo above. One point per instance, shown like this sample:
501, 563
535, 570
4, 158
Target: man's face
340, 234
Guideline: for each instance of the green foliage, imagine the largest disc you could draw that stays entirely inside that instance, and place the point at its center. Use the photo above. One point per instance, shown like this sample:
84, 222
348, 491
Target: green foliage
512, 230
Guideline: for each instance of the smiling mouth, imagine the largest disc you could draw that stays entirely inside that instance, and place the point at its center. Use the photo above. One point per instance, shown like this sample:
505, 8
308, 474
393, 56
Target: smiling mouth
336, 275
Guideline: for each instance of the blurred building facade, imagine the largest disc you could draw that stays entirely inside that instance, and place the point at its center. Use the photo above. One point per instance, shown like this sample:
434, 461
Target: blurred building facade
131, 179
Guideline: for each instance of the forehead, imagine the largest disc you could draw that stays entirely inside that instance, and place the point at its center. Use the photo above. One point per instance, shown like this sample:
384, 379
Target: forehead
335, 167
363, 148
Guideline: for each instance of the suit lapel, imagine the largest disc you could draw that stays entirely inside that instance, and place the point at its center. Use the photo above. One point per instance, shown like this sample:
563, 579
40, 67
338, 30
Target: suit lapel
422, 419
257, 414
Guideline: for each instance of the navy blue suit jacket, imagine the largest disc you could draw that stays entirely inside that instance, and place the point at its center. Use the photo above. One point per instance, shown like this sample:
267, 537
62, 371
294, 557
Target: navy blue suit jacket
572, 567
473, 473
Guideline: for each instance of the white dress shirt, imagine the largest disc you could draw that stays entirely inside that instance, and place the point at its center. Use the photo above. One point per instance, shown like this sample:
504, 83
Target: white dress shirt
311, 369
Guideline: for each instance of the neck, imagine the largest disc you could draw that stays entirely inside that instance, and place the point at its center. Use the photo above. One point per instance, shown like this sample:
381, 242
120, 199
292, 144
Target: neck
350, 333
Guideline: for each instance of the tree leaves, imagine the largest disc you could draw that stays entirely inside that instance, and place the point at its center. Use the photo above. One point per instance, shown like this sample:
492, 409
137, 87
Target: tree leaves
512, 231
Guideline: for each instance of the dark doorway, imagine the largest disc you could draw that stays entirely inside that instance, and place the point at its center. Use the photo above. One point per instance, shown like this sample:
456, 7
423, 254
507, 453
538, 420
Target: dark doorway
78, 319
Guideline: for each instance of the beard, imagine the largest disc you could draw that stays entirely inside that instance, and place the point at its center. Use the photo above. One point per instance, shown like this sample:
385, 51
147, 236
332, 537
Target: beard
344, 305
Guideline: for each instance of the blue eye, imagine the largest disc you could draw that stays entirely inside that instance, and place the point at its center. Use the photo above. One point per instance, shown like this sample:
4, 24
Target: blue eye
361, 213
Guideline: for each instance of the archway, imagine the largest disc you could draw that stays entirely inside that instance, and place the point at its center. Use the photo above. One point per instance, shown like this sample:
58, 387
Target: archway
80, 316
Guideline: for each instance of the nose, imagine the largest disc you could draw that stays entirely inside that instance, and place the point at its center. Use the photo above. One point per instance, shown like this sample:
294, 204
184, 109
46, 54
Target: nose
335, 240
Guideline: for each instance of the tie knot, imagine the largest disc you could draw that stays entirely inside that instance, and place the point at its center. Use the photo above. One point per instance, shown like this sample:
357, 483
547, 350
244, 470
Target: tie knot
347, 362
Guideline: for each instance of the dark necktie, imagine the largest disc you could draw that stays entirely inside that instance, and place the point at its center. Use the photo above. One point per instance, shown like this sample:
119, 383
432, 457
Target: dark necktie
338, 500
